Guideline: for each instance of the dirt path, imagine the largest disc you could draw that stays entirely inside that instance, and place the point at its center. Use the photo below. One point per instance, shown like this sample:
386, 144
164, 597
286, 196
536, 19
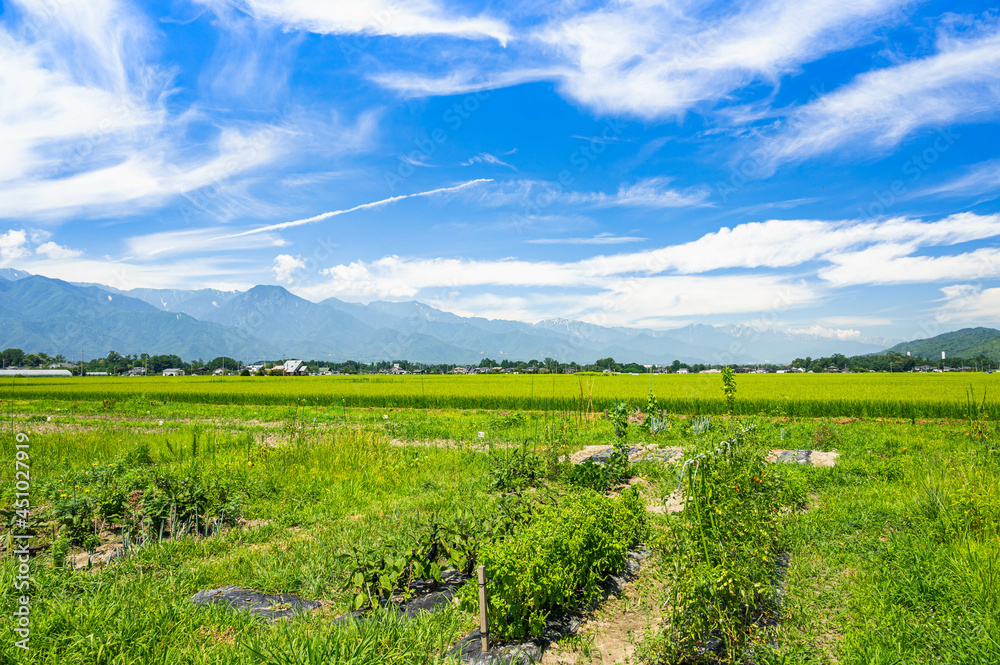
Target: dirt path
612, 633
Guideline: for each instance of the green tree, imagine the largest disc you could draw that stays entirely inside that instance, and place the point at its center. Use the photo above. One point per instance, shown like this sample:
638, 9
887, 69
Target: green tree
11, 357
223, 362
606, 363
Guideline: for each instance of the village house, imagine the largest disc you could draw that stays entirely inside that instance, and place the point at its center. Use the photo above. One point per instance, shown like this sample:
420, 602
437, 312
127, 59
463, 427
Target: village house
292, 368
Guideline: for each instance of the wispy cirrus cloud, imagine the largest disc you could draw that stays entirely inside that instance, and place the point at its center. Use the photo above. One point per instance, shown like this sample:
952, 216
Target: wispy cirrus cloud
71, 82
139, 179
487, 158
880, 109
981, 179
88, 127
646, 193
599, 239
378, 17
655, 60
194, 241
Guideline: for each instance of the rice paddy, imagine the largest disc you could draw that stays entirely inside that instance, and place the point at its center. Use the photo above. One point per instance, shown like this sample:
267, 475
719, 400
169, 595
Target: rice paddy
910, 395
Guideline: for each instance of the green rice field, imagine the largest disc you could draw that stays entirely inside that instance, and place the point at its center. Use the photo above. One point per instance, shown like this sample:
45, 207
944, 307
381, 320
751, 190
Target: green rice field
812, 395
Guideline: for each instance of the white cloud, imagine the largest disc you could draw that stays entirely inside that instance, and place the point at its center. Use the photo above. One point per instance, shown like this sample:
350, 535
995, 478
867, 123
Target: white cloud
377, 17
194, 273
879, 109
540, 194
13, 245
968, 303
463, 80
70, 91
84, 127
982, 178
487, 158
854, 320
646, 193
859, 253
195, 241
665, 284
54, 251
786, 243
655, 302
653, 59
490, 306
599, 239
892, 264
833, 333
285, 265
141, 178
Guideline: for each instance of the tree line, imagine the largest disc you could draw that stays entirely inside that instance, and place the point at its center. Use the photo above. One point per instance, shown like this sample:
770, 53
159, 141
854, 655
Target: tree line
115, 363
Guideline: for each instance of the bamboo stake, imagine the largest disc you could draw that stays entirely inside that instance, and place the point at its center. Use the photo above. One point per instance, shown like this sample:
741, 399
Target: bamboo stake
484, 619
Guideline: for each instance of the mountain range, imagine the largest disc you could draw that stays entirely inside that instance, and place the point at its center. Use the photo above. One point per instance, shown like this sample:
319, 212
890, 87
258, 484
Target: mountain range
43, 314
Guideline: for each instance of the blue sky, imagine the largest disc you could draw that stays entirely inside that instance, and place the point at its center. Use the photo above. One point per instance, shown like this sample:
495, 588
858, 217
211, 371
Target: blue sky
824, 166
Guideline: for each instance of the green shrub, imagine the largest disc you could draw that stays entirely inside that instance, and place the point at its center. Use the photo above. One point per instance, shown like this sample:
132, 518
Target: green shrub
112, 501
619, 422
508, 420
406, 549
601, 477
60, 548
559, 560
75, 515
514, 469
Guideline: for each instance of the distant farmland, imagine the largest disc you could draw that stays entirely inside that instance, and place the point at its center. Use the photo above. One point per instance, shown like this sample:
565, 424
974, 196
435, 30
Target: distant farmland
816, 395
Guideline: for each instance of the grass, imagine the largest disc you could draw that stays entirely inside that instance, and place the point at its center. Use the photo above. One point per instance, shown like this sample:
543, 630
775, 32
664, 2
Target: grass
316, 493
896, 561
892, 560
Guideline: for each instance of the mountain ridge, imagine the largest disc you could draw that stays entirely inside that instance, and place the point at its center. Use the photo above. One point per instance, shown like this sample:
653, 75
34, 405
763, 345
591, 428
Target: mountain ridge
965, 343
270, 321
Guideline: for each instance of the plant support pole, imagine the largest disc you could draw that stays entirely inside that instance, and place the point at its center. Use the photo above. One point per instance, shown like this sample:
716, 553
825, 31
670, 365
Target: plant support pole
484, 619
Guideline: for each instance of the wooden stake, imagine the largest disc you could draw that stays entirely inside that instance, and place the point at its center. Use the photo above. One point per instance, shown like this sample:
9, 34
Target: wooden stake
484, 619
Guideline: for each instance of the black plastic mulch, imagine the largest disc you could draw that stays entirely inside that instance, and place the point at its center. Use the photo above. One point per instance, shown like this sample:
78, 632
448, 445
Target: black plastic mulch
268, 606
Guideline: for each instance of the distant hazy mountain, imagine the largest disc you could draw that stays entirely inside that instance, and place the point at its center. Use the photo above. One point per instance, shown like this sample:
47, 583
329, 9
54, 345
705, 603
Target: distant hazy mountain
317, 331
11, 274
965, 343
195, 303
41, 314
